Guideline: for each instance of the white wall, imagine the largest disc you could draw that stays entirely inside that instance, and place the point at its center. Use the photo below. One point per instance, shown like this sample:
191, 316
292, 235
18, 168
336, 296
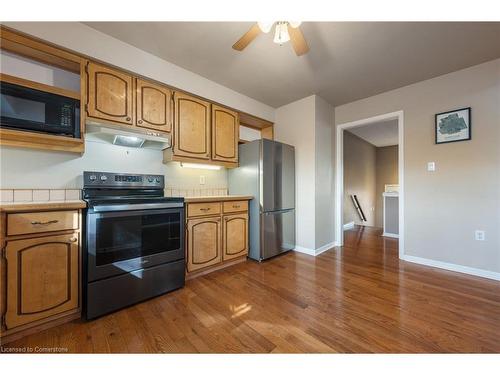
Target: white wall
85, 40
324, 191
307, 125
445, 207
37, 169
360, 163
295, 126
249, 134
19, 66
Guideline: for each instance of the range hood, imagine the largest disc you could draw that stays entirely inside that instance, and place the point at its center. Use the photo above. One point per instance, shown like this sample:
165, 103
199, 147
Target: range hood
123, 136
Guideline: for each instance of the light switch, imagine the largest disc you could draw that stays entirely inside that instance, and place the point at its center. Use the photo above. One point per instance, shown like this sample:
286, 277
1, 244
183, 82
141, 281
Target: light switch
431, 166
202, 180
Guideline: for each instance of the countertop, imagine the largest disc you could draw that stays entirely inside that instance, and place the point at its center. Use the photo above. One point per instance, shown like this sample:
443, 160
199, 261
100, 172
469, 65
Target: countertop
41, 206
219, 198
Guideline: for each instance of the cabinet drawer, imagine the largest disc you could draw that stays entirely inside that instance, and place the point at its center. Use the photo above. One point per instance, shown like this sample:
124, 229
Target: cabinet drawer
235, 206
39, 222
202, 209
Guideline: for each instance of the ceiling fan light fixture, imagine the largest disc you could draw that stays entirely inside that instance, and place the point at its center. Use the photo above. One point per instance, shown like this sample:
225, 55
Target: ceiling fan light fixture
295, 24
281, 34
265, 27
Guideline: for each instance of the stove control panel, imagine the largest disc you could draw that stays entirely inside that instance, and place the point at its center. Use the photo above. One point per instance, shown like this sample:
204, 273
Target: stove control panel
122, 180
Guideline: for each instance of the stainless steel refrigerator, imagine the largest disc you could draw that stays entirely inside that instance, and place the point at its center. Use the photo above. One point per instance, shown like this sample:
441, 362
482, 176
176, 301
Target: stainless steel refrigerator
267, 172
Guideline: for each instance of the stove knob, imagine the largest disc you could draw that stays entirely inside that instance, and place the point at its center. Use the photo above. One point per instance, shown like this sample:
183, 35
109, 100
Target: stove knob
92, 177
150, 179
103, 178
157, 180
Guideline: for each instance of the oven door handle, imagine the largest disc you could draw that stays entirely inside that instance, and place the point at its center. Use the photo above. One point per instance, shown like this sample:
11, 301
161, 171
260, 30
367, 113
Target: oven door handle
134, 207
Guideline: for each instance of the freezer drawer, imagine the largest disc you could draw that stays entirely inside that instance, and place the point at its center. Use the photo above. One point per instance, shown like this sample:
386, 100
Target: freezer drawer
278, 233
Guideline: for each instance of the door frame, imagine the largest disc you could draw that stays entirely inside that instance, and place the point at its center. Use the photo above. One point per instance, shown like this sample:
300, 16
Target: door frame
339, 173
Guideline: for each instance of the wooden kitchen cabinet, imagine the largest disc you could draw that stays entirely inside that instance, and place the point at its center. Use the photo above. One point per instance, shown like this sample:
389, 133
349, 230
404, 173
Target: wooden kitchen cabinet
153, 106
40, 267
109, 94
216, 232
192, 129
203, 133
42, 278
235, 235
203, 242
225, 134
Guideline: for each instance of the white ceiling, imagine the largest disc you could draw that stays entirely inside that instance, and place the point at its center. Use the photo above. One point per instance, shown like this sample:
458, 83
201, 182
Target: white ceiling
379, 134
347, 60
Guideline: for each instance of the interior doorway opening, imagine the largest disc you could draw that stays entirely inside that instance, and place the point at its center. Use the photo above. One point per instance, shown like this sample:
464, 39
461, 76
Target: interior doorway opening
370, 177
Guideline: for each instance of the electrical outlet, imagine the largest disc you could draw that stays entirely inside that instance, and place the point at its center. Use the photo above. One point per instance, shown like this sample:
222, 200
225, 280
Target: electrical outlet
202, 180
431, 166
480, 235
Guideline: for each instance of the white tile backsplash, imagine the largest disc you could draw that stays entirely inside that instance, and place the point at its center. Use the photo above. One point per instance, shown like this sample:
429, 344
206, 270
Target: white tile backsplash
194, 192
57, 195
23, 195
45, 195
41, 195
6, 195
72, 195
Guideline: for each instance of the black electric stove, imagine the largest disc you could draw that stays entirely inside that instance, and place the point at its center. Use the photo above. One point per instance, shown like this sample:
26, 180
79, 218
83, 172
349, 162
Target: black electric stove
134, 241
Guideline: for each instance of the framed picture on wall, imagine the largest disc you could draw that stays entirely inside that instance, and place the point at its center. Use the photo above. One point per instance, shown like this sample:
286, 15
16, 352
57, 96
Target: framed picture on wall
453, 126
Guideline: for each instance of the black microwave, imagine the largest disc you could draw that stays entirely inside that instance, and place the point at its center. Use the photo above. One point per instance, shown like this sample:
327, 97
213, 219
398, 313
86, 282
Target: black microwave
24, 108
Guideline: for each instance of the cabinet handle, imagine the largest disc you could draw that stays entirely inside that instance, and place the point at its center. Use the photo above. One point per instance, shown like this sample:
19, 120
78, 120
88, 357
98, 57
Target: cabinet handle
139, 122
236, 206
205, 209
73, 239
44, 222
128, 119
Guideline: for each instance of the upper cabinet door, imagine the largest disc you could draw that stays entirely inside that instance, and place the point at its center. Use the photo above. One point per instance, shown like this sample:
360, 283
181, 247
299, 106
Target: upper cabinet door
109, 94
191, 127
225, 134
153, 106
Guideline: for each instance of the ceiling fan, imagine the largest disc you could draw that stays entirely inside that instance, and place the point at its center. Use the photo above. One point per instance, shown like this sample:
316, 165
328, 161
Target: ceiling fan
284, 31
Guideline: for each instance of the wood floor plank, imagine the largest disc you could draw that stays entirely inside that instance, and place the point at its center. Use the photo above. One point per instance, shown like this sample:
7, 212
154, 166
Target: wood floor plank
356, 299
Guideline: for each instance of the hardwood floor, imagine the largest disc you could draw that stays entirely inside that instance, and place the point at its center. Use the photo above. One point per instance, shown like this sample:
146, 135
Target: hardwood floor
360, 298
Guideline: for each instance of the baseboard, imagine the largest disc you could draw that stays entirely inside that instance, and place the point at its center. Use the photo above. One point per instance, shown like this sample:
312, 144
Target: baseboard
453, 267
324, 248
305, 250
348, 226
316, 252
390, 235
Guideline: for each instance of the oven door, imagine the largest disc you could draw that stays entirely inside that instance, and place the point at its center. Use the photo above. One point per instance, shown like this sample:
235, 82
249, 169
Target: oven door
124, 241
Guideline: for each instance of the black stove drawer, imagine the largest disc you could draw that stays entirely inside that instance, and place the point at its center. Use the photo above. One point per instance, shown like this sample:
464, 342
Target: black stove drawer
104, 296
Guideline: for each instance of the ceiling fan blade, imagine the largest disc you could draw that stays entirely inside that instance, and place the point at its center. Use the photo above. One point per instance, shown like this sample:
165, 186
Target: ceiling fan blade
245, 40
298, 41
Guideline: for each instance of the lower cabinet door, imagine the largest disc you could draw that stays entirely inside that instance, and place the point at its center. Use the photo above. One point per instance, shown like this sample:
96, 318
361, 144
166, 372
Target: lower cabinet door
203, 243
235, 236
42, 278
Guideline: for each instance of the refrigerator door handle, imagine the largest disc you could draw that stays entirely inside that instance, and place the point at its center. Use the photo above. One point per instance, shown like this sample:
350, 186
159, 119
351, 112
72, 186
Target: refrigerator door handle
277, 212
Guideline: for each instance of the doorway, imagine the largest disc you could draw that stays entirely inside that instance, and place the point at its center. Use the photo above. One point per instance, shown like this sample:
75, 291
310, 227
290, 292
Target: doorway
340, 201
